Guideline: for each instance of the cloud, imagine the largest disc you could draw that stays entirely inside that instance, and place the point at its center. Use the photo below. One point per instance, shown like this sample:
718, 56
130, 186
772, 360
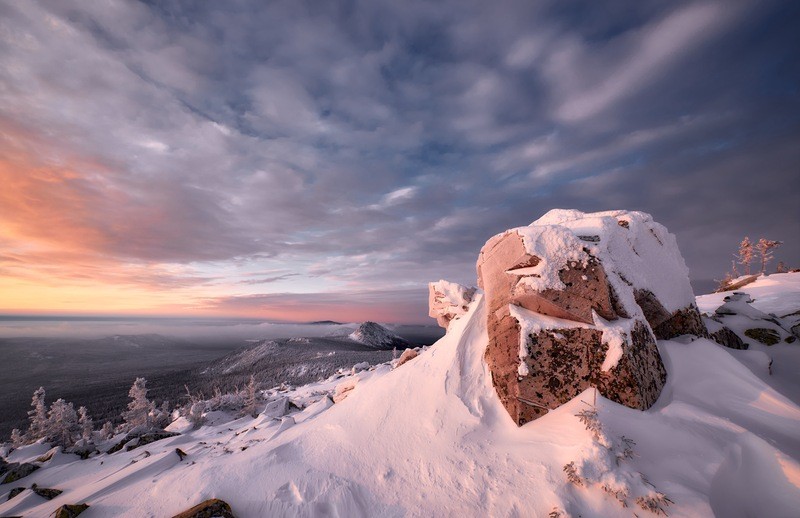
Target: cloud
373, 147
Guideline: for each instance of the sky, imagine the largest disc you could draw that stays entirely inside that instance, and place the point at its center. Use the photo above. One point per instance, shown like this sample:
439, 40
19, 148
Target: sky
299, 161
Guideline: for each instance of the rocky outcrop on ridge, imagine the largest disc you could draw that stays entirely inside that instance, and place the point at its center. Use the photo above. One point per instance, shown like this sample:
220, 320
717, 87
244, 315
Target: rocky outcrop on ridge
577, 300
448, 301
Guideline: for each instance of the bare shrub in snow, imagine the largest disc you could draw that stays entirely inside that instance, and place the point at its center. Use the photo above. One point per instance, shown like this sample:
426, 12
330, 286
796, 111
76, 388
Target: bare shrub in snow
251, 398
765, 249
572, 474
591, 422
722, 284
231, 401
745, 254
655, 503
603, 467
620, 493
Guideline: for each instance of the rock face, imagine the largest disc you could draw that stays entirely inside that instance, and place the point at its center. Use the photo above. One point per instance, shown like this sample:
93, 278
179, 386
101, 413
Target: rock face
448, 301
377, 336
577, 300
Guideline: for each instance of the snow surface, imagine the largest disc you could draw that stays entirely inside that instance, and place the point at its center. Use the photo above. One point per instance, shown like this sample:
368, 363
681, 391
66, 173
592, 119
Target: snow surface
778, 293
430, 438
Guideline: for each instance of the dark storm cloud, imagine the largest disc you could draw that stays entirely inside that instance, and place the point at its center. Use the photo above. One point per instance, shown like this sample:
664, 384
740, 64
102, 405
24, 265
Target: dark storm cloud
381, 143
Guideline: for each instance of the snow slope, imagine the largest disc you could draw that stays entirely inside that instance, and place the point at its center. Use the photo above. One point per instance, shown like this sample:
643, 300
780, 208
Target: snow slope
430, 438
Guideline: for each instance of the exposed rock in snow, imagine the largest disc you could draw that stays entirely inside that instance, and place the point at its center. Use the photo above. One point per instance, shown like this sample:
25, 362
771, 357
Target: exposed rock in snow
408, 354
343, 389
213, 507
447, 301
70, 510
15, 471
739, 283
614, 281
738, 313
377, 336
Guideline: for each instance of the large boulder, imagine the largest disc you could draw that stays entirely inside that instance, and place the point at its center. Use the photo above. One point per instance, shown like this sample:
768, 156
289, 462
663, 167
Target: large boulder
577, 300
448, 301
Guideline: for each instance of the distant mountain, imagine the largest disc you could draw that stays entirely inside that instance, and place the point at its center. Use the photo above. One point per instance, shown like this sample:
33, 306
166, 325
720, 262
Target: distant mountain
377, 336
325, 323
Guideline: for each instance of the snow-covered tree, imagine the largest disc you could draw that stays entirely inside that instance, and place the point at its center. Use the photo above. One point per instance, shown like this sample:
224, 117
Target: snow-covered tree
85, 423
37, 416
251, 398
765, 249
62, 424
781, 268
162, 415
139, 409
17, 438
107, 431
745, 254
194, 409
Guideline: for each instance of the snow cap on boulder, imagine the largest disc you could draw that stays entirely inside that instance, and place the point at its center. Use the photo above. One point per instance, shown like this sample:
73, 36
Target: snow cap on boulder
577, 300
448, 301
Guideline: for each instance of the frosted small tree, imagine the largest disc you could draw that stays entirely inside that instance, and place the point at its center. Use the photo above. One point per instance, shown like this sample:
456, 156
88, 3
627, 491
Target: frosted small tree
107, 431
138, 414
17, 438
37, 416
745, 255
251, 397
195, 409
62, 424
781, 268
163, 416
765, 249
85, 423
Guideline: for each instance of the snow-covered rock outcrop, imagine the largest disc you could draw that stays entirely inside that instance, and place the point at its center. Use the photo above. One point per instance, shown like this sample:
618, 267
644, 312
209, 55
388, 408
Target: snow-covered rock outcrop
447, 301
576, 301
377, 336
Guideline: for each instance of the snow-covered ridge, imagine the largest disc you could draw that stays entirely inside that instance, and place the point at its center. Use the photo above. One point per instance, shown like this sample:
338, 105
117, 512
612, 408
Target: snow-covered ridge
430, 438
